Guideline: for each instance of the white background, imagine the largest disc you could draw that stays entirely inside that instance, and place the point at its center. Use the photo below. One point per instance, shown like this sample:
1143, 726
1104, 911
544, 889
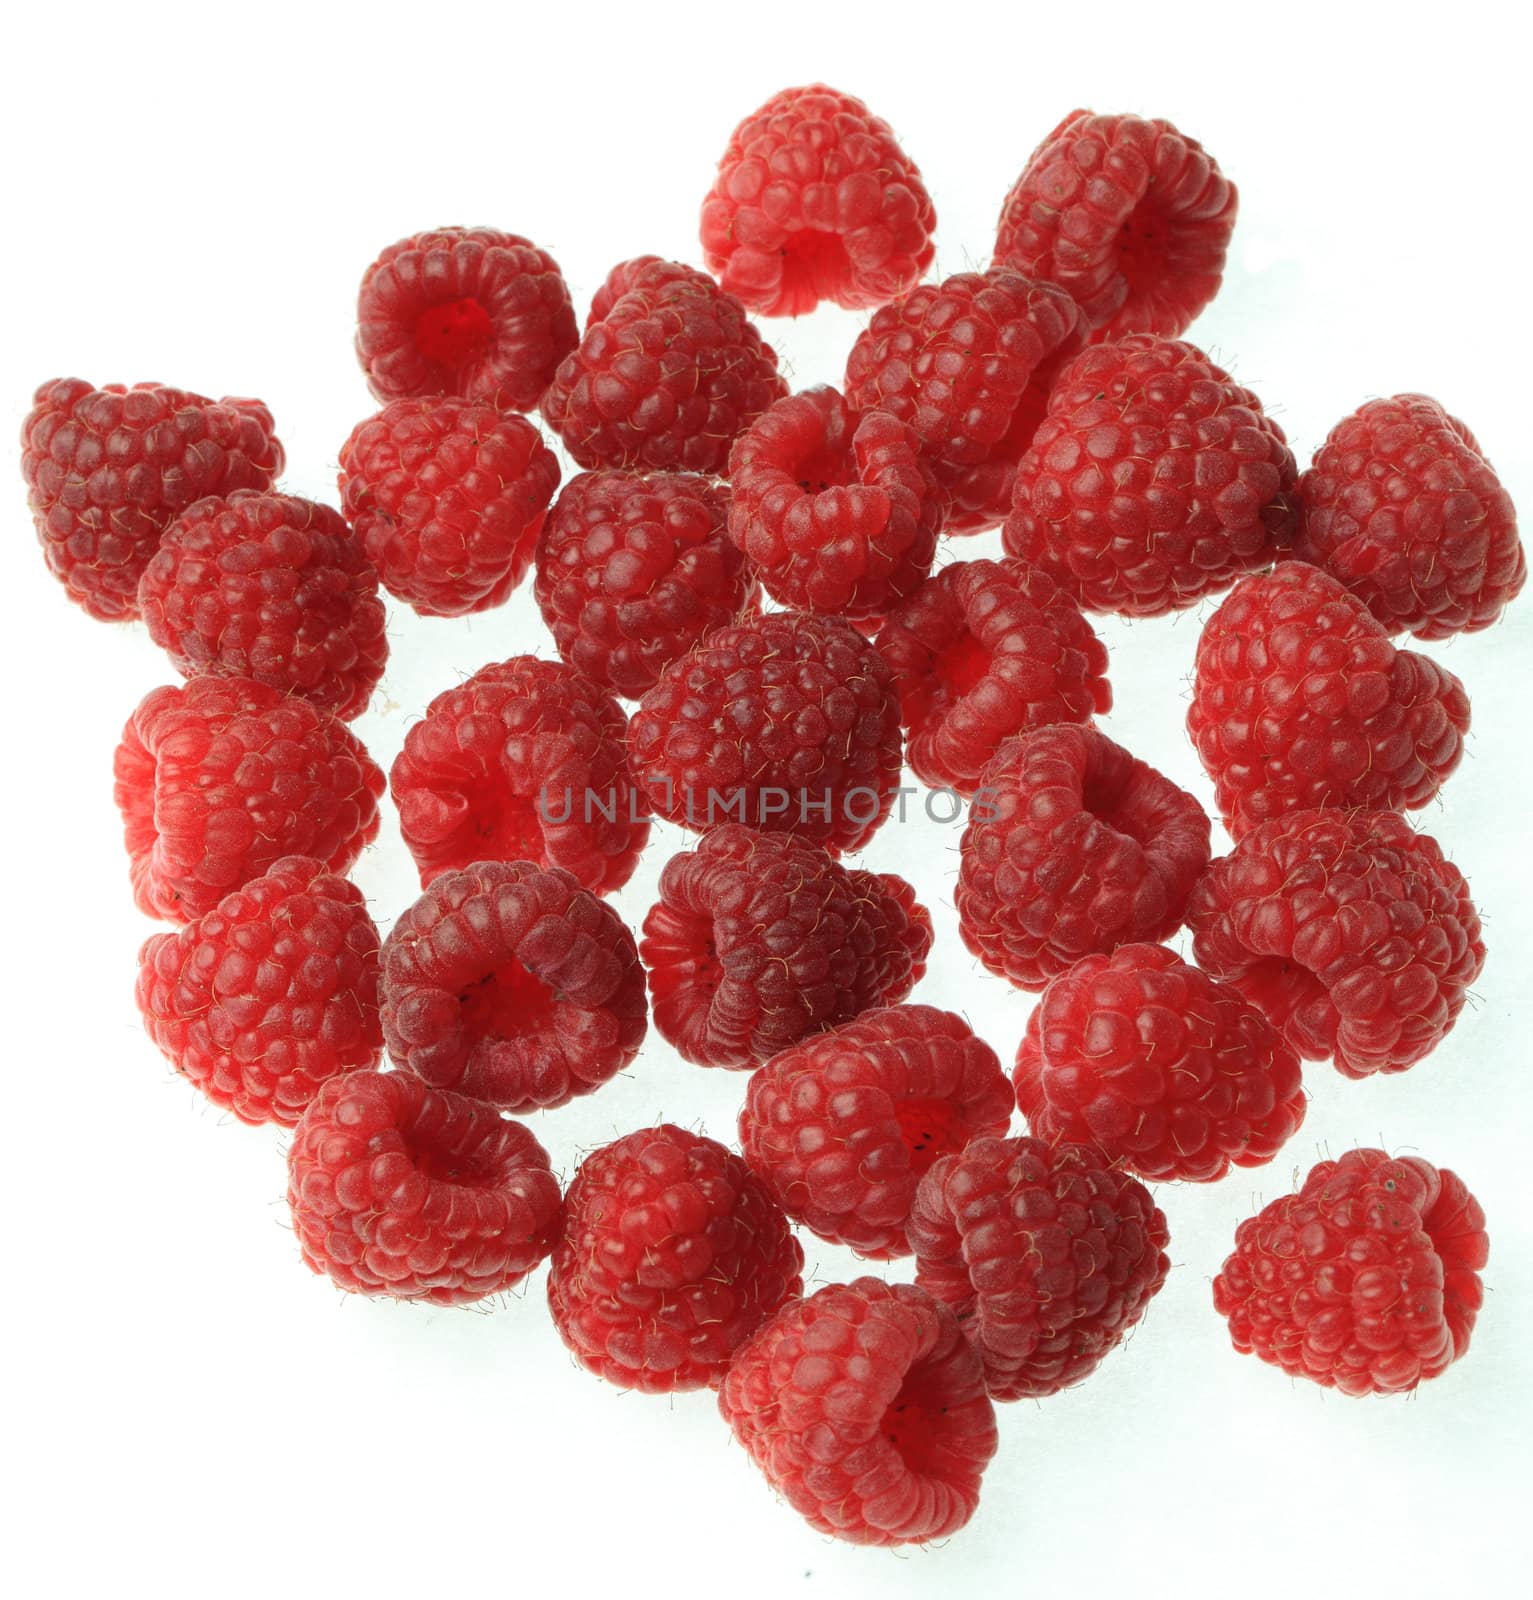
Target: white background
191, 197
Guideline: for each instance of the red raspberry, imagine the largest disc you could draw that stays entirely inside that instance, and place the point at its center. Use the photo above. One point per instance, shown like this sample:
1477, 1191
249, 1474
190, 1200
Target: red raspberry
758, 941
1300, 699
1367, 1280
265, 997
1351, 931
1047, 1256
790, 723
842, 1126
1401, 505
865, 1408
1166, 1072
469, 312
984, 650
524, 761
448, 498
107, 471
633, 570
673, 1254
1073, 846
668, 372
400, 1189
514, 985
219, 778
1130, 216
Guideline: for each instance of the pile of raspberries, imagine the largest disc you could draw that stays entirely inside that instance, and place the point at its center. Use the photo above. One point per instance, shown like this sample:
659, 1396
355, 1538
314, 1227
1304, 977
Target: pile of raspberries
752, 641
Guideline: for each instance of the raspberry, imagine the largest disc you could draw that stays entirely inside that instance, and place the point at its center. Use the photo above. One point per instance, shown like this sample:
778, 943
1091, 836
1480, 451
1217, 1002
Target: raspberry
469, 312
1165, 1071
524, 761
842, 1126
790, 723
673, 1255
633, 570
271, 993
836, 510
447, 498
667, 374
400, 1189
984, 650
1402, 507
814, 200
271, 587
1300, 699
1047, 1256
1367, 1280
1153, 480
107, 470
865, 1408
219, 778
514, 985
758, 940
968, 364
1350, 930
1128, 215
1078, 847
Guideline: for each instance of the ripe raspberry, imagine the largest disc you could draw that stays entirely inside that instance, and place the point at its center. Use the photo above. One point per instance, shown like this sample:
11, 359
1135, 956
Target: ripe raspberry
984, 650
1367, 1280
1401, 505
1153, 480
1300, 699
673, 1254
633, 570
514, 985
107, 470
270, 994
668, 372
1350, 930
469, 312
814, 200
524, 761
1047, 1256
400, 1189
865, 1408
219, 778
968, 364
758, 941
1073, 847
448, 498
1129, 216
790, 723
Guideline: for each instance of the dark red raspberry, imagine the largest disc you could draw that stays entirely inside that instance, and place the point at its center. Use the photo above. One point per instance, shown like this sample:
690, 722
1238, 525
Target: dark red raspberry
448, 498
267, 996
1351, 931
673, 1254
107, 470
668, 372
219, 778
984, 650
758, 941
1300, 699
814, 200
1047, 1256
514, 985
1072, 847
469, 312
1401, 505
524, 761
865, 1407
1130, 216
1367, 1280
